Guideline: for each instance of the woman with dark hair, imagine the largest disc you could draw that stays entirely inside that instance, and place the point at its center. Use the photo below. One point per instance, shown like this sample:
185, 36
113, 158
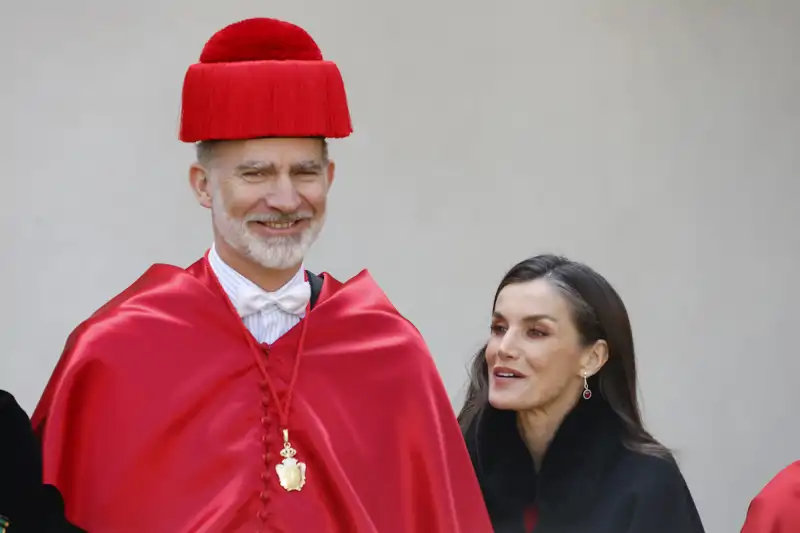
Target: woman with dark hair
552, 421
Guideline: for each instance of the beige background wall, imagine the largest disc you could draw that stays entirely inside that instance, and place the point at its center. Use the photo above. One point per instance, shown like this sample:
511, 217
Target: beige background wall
657, 141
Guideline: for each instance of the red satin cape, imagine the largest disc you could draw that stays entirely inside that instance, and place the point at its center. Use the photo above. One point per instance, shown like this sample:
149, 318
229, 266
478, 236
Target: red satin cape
157, 418
776, 509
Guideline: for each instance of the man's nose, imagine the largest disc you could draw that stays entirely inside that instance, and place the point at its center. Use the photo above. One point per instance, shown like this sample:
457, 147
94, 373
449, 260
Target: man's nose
283, 195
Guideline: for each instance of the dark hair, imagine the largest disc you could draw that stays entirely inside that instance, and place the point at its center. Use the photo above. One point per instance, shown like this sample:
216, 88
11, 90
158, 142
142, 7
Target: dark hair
599, 313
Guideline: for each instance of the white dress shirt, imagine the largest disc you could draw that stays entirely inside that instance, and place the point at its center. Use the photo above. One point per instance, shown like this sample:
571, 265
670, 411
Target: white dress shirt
268, 324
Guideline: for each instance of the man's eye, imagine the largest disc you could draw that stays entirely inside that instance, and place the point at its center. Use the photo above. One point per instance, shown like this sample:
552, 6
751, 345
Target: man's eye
253, 175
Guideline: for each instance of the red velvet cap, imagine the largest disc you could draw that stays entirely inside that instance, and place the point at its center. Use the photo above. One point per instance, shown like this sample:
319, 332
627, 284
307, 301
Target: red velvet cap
263, 78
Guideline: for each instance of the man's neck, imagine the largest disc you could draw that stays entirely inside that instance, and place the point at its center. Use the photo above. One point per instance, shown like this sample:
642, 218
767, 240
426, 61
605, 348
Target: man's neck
538, 427
269, 279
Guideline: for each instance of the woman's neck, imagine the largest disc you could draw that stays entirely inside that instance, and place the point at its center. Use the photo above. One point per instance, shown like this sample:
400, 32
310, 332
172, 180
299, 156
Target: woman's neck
538, 427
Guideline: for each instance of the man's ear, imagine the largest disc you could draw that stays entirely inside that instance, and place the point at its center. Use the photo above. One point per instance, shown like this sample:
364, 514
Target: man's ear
330, 173
199, 181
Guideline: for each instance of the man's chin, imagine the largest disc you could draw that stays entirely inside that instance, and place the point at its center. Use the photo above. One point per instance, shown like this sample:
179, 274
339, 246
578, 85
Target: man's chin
276, 256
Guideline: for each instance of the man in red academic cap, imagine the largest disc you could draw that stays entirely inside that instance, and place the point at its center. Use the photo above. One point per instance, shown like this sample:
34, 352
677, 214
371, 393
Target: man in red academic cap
245, 393
776, 509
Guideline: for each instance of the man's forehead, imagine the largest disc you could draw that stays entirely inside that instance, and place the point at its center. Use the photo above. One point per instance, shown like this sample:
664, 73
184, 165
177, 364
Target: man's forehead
276, 150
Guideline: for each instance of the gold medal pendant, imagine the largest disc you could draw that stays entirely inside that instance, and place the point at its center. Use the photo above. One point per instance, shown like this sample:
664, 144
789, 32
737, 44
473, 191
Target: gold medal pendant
291, 473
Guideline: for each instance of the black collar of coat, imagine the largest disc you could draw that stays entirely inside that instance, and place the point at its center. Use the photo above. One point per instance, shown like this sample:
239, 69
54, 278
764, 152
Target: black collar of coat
578, 456
588, 438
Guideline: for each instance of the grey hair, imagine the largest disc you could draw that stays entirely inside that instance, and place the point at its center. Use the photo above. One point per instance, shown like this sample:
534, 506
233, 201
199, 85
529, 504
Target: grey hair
205, 150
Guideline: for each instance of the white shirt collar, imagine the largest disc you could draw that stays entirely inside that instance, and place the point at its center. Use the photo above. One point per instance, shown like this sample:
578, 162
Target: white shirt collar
232, 281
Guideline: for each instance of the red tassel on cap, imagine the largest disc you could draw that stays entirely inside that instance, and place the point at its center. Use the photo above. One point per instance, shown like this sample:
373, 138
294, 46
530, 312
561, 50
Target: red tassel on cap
263, 78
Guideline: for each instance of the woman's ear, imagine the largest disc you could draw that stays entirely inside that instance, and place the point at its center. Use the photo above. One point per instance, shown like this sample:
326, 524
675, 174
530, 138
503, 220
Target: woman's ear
594, 358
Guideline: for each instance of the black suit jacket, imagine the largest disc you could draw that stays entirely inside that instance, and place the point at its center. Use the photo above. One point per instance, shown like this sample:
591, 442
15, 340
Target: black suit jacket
588, 482
27, 504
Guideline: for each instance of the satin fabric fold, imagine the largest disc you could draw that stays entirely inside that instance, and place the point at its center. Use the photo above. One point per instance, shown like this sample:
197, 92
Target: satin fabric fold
157, 419
776, 509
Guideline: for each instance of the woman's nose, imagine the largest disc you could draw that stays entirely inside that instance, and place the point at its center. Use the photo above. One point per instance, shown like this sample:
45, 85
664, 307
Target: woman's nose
508, 348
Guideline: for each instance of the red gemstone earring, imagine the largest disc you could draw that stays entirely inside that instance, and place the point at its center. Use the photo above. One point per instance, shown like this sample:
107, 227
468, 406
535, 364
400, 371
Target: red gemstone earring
587, 393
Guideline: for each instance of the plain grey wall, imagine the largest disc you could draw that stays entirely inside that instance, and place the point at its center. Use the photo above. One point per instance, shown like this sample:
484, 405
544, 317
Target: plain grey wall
657, 141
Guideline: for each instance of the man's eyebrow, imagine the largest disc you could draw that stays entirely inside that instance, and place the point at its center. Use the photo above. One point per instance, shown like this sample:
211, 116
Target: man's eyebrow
308, 165
254, 165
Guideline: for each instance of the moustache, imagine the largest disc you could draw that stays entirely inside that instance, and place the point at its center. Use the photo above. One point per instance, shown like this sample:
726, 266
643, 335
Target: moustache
278, 217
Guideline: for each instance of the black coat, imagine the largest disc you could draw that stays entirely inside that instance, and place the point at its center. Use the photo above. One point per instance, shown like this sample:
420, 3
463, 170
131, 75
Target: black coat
588, 482
27, 503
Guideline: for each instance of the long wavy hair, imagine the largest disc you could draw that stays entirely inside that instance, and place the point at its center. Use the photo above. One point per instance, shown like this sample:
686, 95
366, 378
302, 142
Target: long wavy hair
598, 313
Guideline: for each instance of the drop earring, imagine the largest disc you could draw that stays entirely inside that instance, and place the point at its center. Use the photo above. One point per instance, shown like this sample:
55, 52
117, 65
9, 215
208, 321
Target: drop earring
587, 393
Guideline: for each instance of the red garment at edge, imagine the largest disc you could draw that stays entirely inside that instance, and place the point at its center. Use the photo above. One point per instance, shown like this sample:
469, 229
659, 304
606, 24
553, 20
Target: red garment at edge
157, 418
776, 509
531, 517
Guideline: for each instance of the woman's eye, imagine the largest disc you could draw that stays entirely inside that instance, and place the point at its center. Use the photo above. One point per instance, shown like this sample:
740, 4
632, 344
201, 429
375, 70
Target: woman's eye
536, 333
497, 330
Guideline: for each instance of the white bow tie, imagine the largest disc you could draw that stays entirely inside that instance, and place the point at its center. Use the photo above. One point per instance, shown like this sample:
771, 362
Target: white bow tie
292, 300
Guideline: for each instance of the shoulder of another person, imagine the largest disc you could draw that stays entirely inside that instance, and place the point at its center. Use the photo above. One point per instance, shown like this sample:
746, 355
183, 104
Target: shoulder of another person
11, 412
20, 461
6, 398
781, 494
16, 428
